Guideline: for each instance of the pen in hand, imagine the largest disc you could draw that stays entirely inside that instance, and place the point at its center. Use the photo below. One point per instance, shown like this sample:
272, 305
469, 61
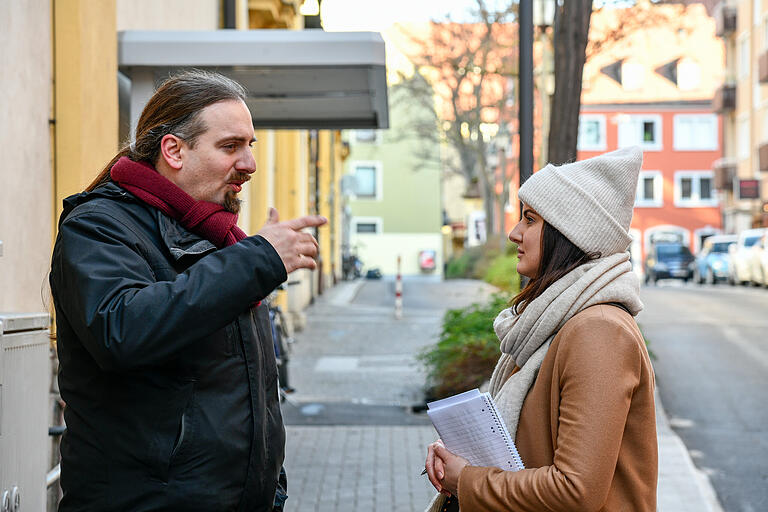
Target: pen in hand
424, 472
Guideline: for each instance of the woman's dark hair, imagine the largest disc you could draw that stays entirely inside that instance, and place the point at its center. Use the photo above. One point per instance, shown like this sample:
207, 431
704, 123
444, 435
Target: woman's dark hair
174, 108
558, 257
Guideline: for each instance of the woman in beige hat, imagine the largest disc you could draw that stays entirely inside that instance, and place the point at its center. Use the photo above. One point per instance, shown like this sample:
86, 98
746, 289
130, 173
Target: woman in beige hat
574, 383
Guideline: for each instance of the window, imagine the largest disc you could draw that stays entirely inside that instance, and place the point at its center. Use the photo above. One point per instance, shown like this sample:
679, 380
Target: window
367, 225
688, 75
632, 76
591, 132
694, 189
744, 138
367, 180
367, 136
765, 125
640, 130
765, 33
744, 56
695, 132
650, 189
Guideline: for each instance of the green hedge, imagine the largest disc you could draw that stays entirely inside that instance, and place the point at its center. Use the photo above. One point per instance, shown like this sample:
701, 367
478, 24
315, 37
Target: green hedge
487, 263
467, 351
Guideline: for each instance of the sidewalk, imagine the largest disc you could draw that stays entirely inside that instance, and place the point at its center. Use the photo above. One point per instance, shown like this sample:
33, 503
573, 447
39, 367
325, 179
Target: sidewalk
350, 376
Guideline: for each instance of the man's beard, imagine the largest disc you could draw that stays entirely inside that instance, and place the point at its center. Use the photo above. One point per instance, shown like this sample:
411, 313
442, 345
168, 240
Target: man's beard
231, 202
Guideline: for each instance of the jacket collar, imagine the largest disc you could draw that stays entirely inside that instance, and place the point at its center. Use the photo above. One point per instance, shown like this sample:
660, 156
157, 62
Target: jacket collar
180, 242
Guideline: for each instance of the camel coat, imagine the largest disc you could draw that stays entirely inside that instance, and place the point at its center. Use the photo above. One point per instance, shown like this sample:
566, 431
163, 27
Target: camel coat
587, 431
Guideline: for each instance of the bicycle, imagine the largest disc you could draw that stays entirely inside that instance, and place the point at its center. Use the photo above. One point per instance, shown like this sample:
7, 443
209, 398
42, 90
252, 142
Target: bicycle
282, 342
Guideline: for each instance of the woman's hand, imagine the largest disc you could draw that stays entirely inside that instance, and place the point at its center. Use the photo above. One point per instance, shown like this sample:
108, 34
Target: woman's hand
451, 466
435, 467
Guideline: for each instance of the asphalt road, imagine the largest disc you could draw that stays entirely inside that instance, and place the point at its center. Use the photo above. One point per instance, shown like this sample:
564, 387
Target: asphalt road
710, 348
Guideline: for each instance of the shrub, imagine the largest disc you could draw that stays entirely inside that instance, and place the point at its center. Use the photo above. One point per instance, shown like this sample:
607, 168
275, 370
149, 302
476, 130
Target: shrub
502, 273
467, 350
488, 263
463, 265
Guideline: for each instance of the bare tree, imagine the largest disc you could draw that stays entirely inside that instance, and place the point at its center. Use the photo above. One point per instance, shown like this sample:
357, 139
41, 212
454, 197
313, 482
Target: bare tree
471, 69
570, 42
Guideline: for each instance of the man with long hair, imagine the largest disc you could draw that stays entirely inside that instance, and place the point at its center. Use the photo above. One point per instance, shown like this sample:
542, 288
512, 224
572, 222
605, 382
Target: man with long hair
167, 366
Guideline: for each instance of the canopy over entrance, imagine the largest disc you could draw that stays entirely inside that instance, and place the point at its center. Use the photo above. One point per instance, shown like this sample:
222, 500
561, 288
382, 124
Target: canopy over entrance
294, 78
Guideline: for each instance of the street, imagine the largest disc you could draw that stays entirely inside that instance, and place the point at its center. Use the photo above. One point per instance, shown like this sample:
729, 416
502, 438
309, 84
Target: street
710, 353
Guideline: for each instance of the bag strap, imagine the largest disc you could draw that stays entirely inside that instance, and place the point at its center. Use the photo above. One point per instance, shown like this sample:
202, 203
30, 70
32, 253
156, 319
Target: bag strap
618, 305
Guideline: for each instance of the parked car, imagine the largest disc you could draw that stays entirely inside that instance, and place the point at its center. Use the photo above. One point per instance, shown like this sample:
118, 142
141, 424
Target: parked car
758, 262
668, 261
713, 260
740, 270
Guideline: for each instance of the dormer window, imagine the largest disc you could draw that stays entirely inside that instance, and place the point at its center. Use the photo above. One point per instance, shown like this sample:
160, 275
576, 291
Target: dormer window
688, 75
632, 76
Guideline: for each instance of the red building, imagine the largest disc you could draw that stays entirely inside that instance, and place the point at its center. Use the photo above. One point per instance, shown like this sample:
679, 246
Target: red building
652, 87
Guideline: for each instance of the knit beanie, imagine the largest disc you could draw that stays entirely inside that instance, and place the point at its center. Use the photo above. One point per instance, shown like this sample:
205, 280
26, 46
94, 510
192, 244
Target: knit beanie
590, 202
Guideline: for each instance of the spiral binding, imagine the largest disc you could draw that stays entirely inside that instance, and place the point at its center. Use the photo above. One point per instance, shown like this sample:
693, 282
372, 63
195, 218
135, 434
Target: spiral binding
516, 464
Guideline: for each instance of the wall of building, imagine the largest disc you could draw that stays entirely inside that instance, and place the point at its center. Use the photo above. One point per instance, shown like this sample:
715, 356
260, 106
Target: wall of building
406, 208
168, 14
746, 127
85, 93
26, 215
381, 251
668, 161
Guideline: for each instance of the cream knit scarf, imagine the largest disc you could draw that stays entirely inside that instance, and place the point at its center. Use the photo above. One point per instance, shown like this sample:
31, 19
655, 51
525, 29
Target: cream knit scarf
526, 337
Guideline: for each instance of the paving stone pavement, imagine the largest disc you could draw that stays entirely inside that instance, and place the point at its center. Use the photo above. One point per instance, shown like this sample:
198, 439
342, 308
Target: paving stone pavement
353, 468
354, 354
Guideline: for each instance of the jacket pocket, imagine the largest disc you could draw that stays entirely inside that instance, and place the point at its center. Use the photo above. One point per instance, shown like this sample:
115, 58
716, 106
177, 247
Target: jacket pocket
185, 432
180, 435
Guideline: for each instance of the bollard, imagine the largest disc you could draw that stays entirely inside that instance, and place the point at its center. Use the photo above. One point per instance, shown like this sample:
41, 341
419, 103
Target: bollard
398, 292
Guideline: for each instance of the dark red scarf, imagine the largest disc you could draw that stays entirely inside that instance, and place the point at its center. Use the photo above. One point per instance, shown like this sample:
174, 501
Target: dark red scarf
209, 220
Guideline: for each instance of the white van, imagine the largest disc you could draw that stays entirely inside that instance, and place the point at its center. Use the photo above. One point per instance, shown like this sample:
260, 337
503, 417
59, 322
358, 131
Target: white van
741, 255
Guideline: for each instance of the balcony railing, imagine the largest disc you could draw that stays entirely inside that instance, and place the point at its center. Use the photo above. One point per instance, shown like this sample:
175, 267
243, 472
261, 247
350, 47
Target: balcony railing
762, 67
725, 170
762, 156
725, 99
725, 20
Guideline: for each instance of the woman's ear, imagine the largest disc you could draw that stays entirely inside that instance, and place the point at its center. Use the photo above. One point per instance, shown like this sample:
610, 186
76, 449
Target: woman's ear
170, 151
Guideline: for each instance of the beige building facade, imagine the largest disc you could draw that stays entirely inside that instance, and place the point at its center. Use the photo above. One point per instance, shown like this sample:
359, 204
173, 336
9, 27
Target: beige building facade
742, 101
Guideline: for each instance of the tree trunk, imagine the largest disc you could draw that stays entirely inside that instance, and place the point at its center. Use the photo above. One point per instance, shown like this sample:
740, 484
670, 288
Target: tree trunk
571, 34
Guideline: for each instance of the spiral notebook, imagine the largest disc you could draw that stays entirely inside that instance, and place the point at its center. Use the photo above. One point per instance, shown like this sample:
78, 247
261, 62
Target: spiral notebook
470, 425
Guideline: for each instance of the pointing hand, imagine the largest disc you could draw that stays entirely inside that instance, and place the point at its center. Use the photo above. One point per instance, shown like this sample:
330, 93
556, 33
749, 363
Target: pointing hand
296, 248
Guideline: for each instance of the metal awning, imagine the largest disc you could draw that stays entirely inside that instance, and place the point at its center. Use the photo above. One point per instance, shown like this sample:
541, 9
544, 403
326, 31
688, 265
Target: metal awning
295, 78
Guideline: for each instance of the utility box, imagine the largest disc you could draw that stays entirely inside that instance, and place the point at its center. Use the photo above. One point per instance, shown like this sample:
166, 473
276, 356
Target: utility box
24, 386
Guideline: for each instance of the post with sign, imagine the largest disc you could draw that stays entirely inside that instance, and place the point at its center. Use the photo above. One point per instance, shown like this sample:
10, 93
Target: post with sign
398, 292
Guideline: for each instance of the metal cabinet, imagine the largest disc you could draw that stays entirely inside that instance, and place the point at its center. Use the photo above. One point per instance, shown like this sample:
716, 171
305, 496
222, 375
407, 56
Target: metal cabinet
24, 385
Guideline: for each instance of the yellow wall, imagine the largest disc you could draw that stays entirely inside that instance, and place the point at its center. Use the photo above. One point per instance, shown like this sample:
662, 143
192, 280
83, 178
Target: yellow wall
85, 53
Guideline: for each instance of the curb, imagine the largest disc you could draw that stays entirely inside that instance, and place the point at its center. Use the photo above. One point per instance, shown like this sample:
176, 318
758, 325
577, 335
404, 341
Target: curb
681, 486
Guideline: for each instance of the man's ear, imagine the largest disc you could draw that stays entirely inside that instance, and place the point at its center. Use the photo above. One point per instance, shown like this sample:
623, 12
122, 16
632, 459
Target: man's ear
170, 151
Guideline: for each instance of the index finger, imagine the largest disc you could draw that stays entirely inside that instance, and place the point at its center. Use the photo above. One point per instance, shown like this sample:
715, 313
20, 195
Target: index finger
308, 221
430, 467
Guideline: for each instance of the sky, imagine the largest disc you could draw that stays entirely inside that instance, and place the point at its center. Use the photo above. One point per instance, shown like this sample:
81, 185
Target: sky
377, 15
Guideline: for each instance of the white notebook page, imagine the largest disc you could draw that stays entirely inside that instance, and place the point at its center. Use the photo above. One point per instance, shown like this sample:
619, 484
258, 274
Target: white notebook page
470, 425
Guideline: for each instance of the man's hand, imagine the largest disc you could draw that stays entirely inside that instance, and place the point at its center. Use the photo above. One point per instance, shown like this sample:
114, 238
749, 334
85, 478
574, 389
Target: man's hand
296, 248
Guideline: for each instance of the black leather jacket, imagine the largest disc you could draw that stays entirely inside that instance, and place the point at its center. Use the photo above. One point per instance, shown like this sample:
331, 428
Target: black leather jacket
167, 369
